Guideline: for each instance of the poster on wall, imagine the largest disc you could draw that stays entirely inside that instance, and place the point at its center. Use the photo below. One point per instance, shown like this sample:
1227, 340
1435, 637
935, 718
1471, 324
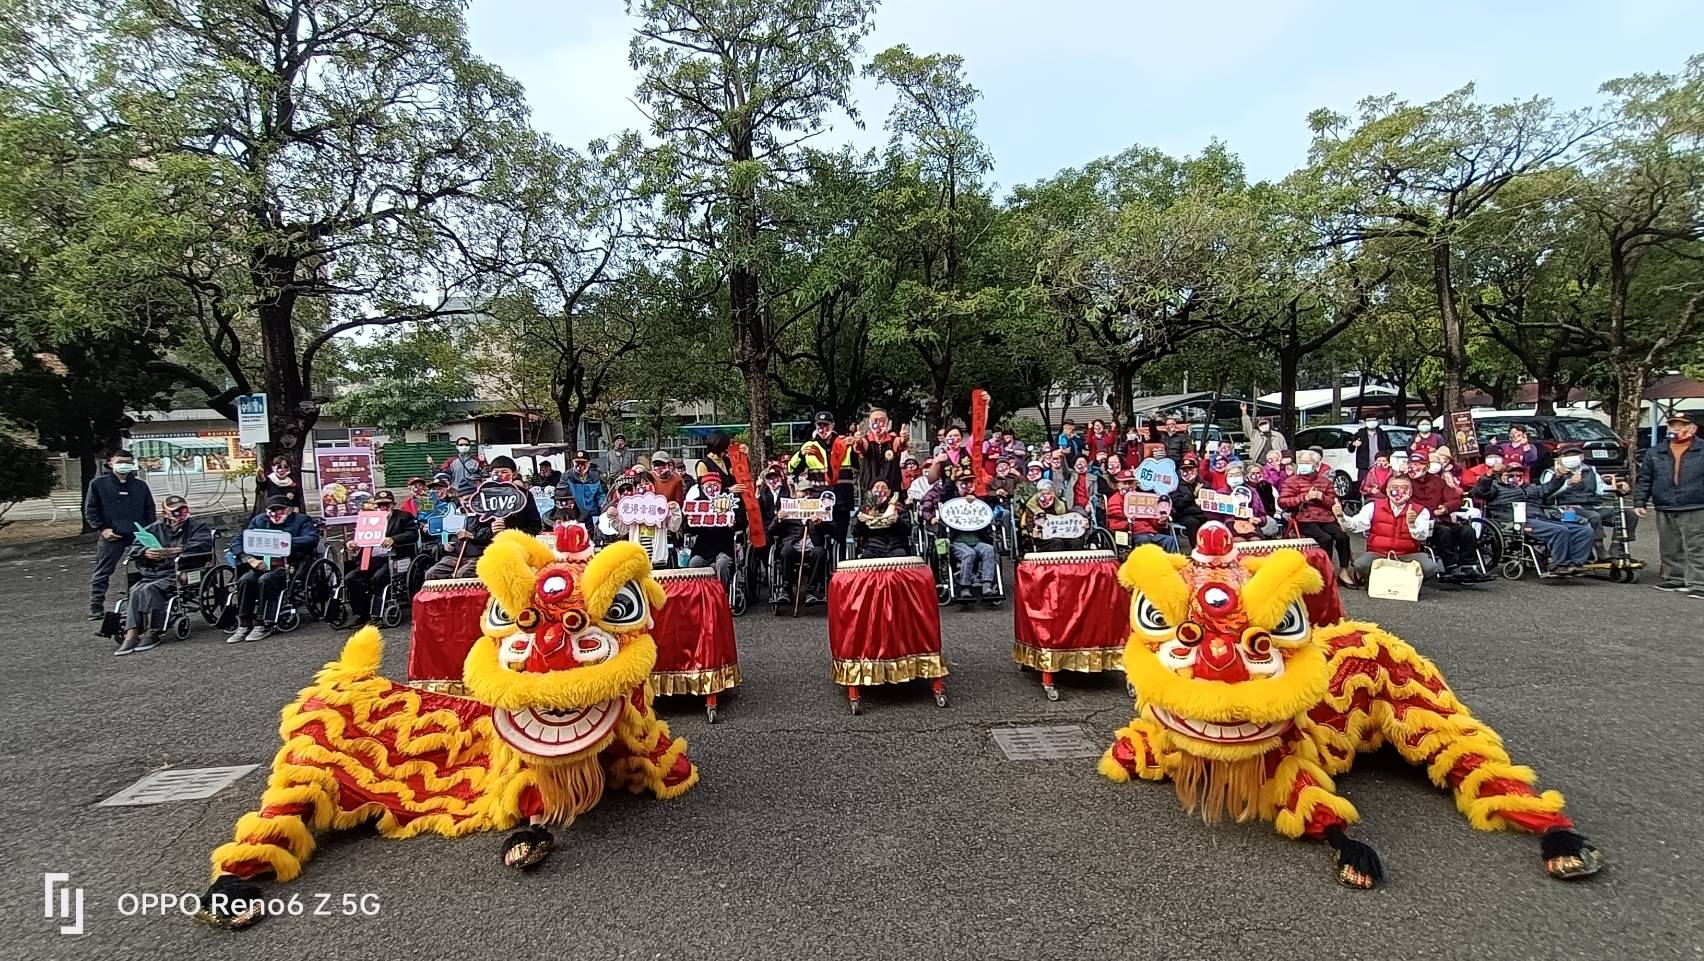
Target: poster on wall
361, 436
345, 481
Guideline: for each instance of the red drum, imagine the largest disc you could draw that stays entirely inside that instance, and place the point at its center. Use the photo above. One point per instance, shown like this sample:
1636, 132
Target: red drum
1071, 614
448, 618
1326, 607
884, 625
695, 637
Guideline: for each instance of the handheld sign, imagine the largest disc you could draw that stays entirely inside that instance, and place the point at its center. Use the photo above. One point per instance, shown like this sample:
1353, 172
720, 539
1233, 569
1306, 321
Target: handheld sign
1056, 527
807, 508
147, 540
1466, 438
642, 510
1157, 475
1145, 506
1214, 502
494, 499
967, 514
715, 511
369, 534
263, 543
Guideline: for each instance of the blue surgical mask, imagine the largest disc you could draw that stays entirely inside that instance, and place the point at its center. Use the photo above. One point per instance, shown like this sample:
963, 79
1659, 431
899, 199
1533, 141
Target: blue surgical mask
1306, 468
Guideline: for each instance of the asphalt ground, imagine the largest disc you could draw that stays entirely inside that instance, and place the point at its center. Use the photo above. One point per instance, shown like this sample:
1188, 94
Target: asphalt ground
903, 833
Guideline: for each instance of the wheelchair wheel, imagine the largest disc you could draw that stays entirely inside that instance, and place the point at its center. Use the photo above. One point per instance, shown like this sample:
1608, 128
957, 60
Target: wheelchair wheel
390, 615
180, 628
215, 591
1513, 566
1100, 539
319, 589
1490, 546
288, 620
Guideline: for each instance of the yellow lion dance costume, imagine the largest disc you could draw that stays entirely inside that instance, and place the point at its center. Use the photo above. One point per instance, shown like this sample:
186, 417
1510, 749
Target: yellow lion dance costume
1251, 711
558, 705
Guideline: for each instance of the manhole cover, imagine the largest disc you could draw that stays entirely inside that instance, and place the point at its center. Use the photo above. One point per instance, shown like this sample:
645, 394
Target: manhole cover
1044, 743
188, 784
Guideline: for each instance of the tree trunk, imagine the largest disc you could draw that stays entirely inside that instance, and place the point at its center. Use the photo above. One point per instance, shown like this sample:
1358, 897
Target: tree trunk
1289, 375
1629, 391
1544, 401
1123, 399
291, 411
1336, 392
1455, 332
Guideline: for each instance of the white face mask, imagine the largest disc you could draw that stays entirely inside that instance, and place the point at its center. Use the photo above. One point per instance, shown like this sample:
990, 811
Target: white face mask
1234, 480
1399, 464
1306, 468
1434, 468
1492, 463
125, 467
461, 448
1572, 463
1425, 428
1370, 424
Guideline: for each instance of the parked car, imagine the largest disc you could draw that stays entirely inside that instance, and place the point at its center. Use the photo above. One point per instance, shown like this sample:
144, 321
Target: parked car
1239, 441
1603, 449
1334, 440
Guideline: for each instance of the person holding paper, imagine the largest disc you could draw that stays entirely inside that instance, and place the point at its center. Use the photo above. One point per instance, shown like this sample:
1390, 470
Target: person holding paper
1569, 545
260, 580
880, 526
156, 554
402, 535
1310, 496
973, 551
1044, 504
1136, 530
712, 544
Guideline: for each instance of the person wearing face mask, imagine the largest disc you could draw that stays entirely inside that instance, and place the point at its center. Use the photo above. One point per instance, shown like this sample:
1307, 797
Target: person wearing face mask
1311, 499
1569, 545
279, 481
973, 551
770, 491
880, 528
1101, 439
116, 503
1582, 490
465, 467
1367, 443
713, 546
1520, 449
1671, 480
182, 539
1185, 511
1436, 490
402, 535
261, 579
1139, 530
667, 482
1426, 440
1395, 527
1492, 465
1235, 484
880, 451
914, 480
1045, 503
1130, 448
1263, 436
586, 482
1374, 479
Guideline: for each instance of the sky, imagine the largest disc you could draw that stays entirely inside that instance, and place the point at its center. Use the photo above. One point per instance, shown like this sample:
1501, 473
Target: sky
1067, 81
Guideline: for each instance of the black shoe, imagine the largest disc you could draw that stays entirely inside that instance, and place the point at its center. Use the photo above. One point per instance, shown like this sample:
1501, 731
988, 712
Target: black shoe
356, 624
1670, 587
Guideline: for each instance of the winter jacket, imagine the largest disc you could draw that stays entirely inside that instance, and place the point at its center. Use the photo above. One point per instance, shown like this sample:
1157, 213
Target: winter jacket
1500, 499
304, 536
193, 535
1293, 498
589, 495
119, 505
1668, 485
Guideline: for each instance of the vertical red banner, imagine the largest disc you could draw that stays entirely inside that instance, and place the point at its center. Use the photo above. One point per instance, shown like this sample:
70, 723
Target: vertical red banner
978, 434
740, 460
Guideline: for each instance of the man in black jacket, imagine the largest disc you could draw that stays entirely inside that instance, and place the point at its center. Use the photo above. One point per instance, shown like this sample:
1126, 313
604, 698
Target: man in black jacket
116, 503
1671, 479
182, 539
402, 536
1367, 443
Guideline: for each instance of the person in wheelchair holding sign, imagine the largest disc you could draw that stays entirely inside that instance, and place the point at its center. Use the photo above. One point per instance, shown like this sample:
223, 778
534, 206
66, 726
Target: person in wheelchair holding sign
713, 514
261, 580
496, 505
801, 538
402, 535
1036, 524
969, 523
1136, 518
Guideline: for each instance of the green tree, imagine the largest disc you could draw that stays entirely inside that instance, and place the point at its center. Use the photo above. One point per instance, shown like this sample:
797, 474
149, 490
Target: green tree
406, 378
1417, 174
732, 88
25, 473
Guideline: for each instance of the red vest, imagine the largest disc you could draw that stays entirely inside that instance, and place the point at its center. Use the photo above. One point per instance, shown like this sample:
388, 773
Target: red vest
1389, 533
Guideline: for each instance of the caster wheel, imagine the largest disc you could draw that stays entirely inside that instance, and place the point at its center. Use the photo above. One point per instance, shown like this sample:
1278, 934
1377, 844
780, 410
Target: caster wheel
391, 616
1512, 570
857, 708
1130, 689
1052, 693
289, 621
710, 714
180, 628
941, 699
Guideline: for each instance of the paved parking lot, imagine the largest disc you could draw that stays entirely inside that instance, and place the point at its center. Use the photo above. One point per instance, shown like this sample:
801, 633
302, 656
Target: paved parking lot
902, 833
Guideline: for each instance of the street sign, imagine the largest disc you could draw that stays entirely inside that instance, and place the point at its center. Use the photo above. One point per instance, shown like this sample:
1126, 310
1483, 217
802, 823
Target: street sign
253, 427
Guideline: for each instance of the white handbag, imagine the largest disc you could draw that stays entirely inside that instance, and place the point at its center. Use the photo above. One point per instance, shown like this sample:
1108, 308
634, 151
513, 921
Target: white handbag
1395, 580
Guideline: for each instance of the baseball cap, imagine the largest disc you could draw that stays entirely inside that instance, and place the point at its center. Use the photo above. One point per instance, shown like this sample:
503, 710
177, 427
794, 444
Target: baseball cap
824, 417
562, 493
581, 456
1127, 474
174, 501
277, 500
964, 474
384, 497
440, 480
1681, 417
661, 457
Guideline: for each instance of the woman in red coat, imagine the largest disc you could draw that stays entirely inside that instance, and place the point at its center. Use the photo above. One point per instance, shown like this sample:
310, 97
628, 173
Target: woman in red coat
1311, 498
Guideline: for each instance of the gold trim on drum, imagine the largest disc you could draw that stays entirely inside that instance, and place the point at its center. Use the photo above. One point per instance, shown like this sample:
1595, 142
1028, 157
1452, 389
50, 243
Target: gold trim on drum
696, 682
447, 584
1267, 547
865, 673
1069, 557
879, 564
1088, 660
684, 574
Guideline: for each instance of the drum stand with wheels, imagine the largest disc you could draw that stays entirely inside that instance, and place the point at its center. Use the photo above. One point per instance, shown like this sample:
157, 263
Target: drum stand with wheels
937, 686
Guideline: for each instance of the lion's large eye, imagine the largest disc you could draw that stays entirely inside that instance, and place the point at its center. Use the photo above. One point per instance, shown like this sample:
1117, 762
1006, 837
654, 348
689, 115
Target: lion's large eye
495, 615
628, 609
1293, 626
1148, 617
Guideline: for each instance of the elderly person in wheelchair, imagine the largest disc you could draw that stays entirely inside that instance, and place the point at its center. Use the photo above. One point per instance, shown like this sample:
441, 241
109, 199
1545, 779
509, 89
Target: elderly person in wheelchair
1567, 544
183, 543
262, 581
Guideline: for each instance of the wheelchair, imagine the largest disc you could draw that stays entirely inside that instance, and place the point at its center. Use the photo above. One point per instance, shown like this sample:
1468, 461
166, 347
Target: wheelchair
187, 597
286, 611
945, 568
776, 568
740, 585
1100, 536
335, 610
